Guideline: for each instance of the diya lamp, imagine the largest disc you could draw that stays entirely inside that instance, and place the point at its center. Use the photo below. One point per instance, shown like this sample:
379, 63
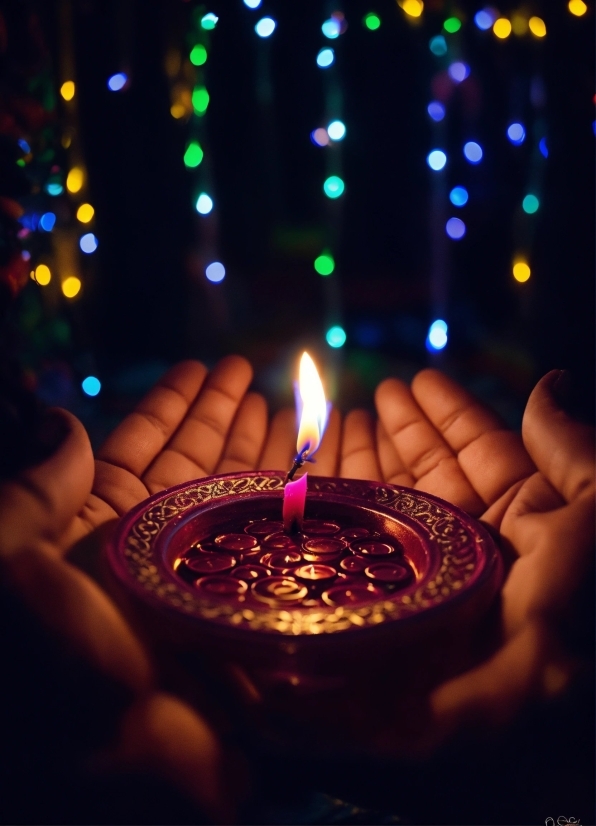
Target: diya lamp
328, 600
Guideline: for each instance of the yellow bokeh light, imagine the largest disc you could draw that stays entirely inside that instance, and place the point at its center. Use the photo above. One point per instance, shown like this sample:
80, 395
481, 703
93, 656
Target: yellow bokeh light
177, 110
413, 8
85, 213
537, 26
577, 7
519, 24
502, 28
66, 140
74, 179
67, 90
521, 271
71, 286
42, 275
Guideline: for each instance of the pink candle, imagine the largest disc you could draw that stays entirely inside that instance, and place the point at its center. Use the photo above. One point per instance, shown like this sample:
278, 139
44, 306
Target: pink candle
294, 501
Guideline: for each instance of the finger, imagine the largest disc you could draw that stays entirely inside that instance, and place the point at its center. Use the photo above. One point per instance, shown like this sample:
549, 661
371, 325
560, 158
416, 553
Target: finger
562, 448
327, 456
247, 436
358, 448
141, 436
392, 468
196, 447
492, 457
422, 449
280, 445
43, 500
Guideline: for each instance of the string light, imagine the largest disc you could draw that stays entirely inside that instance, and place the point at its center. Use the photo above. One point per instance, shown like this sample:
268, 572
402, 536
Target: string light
200, 100
577, 7
47, 221
265, 27
519, 24
42, 275
198, 55
320, 137
543, 147
516, 133
484, 19
372, 21
67, 90
458, 196
54, 189
88, 242
325, 58
331, 28
333, 187
530, 204
91, 386
215, 272
117, 82
502, 28
537, 26
473, 152
437, 335
71, 286
438, 45
85, 213
436, 159
521, 271
413, 8
209, 21
452, 25
336, 336
74, 180
458, 71
336, 130
204, 204
455, 228
324, 263
193, 155
436, 110
24, 145
252, 4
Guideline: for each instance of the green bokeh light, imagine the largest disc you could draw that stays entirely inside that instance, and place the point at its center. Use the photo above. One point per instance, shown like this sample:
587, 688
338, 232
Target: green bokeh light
333, 187
530, 204
452, 25
372, 21
200, 100
324, 264
198, 55
336, 336
193, 155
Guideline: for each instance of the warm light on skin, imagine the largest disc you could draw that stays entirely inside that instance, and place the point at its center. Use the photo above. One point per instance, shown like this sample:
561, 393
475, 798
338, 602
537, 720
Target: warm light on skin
74, 180
577, 7
314, 407
67, 90
502, 28
85, 213
42, 275
521, 271
71, 286
537, 26
413, 8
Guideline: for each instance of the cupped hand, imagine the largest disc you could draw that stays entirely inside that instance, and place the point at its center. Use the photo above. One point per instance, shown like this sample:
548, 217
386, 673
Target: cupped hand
191, 424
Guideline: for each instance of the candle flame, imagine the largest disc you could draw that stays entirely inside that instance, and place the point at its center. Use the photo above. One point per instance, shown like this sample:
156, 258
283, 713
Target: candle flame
313, 418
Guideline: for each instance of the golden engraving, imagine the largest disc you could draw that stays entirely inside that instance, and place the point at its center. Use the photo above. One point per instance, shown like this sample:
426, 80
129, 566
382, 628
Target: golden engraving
459, 546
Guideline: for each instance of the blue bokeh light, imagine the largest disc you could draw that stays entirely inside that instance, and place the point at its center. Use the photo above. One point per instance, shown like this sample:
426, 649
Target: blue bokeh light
215, 272
438, 45
265, 27
54, 189
543, 147
473, 152
88, 242
24, 145
204, 204
458, 196
325, 58
336, 336
458, 71
436, 110
484, 19
436, 159
455, 228
437, 335
47, 221
91, 386
336, 130
253, 4
516, 133
331, 28
117, 82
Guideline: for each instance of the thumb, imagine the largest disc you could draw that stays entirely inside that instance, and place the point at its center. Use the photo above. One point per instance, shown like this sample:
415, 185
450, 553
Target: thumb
561, 448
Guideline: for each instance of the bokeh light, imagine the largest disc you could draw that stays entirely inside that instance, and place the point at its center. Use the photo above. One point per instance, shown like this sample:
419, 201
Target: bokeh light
436, 159
215, 272
209, 21
252, 4
265, 27
91, 386
117, 82
502, 28
455, 228
537, 26
436, 110
452, 25
85, 213
47, 221
516, 133
333, 186
413, 8
325, 58
519, 24
473, 152
320, 137
577, 7
324, 263
437, 335
530, 204
200, 100
88, 242
542, 146
198, 55
67, 90
43, 274
438, 45
521, 271
458, 196
336, 336
24, 145
71, 286
372, 21
177, 110
54, 188
204, 204
336, 130
331, 28
193, 155
484, 19
74, 179
458, 71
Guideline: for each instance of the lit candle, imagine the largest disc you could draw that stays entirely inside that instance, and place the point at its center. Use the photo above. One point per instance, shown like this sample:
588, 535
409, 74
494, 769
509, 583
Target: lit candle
313, 418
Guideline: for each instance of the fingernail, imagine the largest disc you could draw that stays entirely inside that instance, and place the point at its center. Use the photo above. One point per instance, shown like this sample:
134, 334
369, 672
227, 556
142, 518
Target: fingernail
562, 387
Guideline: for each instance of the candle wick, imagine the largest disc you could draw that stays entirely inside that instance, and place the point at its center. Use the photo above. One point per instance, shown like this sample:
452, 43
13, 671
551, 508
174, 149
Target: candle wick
298, 462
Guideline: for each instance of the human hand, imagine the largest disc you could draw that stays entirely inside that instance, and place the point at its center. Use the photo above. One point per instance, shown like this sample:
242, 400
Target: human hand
191, 424
537, 491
